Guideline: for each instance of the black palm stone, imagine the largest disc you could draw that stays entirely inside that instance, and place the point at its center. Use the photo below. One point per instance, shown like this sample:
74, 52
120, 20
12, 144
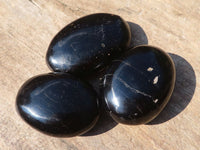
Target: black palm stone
138, 85
87, 44
58, 104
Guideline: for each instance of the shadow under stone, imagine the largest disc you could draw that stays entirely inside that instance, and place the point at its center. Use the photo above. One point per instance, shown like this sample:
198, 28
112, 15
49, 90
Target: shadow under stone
138, 36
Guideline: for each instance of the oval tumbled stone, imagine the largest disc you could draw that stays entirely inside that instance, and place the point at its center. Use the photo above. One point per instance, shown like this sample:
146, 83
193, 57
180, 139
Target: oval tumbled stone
87, 44
58, 104
139, 85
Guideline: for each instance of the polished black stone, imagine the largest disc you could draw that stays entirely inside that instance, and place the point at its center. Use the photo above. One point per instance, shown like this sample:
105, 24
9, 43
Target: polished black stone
87, 44
138, 86
58, 104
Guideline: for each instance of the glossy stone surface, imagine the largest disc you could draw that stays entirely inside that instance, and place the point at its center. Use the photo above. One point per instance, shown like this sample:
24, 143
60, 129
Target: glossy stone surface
58, 104
87, 44
139, 85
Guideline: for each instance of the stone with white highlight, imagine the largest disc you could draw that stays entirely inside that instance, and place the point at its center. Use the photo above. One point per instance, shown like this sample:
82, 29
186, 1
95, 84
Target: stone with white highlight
135, 92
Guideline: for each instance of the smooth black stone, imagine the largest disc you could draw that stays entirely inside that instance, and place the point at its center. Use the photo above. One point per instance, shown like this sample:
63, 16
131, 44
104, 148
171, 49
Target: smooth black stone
139, 85
87, 44
58, 104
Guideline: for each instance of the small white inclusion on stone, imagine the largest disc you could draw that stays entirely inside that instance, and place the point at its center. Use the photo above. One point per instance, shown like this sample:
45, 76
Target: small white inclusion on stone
150, 69
103, 45
155, 100
155, 80
135, 114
